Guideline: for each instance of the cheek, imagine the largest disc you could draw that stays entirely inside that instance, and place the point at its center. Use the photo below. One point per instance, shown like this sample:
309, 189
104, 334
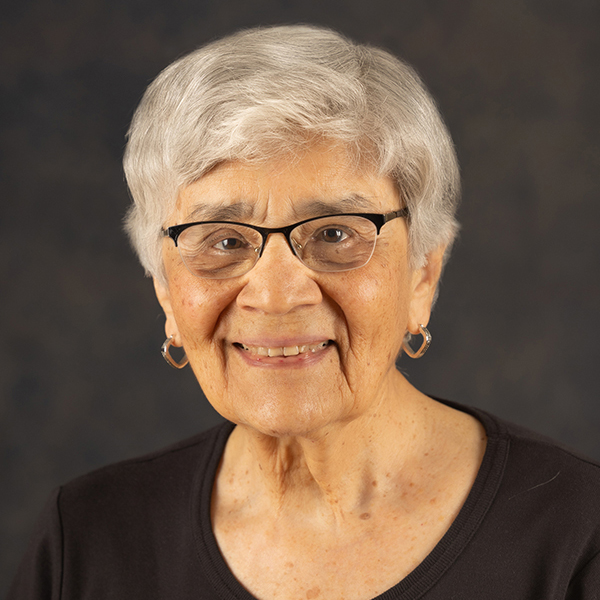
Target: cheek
375, 312
199, 307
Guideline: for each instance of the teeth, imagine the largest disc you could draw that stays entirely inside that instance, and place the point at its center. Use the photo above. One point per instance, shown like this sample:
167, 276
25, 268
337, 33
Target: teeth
286, 350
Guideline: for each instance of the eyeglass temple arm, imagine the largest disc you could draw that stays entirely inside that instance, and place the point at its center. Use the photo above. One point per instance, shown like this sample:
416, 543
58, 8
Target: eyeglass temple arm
403, 212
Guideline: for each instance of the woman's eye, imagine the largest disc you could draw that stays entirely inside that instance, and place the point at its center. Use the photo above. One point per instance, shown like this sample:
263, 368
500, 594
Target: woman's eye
230, 243
332, 235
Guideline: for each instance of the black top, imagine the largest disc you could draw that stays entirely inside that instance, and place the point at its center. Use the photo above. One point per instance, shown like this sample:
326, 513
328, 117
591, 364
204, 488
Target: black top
140, 529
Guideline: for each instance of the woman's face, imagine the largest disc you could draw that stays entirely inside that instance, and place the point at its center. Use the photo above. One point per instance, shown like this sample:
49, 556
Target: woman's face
342, 331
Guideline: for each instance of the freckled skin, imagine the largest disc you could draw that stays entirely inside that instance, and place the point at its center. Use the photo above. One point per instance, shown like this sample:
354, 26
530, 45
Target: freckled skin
331, 464
365, 311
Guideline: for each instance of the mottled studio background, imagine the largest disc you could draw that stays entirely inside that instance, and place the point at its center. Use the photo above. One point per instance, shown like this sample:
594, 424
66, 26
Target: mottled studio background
517, 326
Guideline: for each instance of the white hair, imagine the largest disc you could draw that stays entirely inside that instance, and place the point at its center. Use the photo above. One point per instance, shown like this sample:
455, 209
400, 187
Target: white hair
261, 93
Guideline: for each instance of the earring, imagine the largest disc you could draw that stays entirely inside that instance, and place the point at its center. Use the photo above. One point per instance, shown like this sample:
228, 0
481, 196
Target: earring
165, 352
426, 343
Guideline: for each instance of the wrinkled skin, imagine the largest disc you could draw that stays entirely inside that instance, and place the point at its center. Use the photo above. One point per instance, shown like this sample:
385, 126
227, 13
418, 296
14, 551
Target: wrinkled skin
365, 312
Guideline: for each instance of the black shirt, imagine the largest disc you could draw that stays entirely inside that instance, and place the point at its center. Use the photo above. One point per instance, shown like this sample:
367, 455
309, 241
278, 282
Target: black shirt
140, 529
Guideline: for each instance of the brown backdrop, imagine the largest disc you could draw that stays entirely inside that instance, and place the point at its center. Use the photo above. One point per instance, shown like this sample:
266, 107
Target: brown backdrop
516, 327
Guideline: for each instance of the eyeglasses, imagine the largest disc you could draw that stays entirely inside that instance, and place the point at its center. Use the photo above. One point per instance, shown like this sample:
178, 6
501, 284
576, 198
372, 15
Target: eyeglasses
222, 249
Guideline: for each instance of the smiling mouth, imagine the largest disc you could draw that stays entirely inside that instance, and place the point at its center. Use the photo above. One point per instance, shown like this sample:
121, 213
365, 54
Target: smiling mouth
284, 350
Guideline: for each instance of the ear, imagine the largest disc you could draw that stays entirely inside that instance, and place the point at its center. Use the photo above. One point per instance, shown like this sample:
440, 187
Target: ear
164, 298
425, 282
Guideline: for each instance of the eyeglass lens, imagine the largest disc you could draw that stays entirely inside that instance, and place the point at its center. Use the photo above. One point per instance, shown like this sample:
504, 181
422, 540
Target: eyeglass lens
223, 250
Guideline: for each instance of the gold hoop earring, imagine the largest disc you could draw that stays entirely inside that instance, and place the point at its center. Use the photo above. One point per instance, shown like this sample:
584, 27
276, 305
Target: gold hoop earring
426, 343
165, 352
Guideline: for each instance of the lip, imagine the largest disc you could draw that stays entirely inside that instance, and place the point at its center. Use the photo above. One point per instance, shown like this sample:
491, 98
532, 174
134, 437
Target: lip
281, 341
287, 353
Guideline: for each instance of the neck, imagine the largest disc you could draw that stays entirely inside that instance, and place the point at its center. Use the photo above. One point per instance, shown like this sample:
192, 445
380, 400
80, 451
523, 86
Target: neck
346, 469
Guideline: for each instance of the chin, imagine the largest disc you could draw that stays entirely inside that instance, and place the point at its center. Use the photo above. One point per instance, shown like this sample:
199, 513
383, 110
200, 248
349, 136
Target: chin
283, 402
288, 417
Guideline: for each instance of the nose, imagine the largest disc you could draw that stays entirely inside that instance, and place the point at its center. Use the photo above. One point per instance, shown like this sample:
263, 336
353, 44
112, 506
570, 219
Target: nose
279, 283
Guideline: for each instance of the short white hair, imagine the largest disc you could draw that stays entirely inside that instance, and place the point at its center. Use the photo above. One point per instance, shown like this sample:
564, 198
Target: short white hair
260, 93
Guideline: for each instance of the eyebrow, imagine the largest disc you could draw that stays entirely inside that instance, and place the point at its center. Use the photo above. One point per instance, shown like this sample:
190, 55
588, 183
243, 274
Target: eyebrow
237, 211
354, 203
242, 211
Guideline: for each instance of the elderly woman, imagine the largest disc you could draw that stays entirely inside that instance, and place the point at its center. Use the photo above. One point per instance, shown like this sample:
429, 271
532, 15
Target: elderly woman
294, 202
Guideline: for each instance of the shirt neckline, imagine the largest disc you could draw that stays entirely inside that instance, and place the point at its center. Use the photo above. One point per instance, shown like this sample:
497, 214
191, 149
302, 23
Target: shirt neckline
416, 583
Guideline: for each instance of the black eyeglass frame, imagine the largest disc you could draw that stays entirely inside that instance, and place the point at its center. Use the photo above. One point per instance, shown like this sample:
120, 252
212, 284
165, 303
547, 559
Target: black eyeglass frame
379, 220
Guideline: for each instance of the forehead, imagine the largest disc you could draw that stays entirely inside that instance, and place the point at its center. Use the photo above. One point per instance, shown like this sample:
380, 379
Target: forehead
321, 180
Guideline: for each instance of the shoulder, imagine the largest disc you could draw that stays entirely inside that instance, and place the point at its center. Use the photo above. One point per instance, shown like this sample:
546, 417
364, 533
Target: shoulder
538, 523
164, 476
536, 462
533, 454
548, 497
540, 474
142, 508
529, 453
